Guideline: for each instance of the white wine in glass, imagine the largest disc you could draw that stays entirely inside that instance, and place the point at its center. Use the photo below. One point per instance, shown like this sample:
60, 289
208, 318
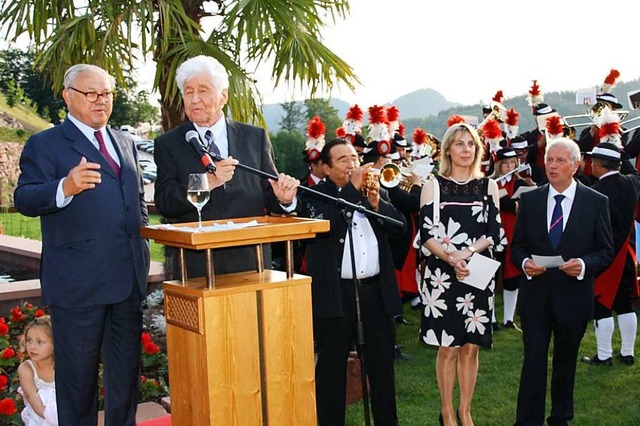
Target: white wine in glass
198, 193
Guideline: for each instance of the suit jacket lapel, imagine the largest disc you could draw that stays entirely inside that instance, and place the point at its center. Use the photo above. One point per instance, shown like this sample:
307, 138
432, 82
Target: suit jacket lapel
85, 147
235, 141
124, 155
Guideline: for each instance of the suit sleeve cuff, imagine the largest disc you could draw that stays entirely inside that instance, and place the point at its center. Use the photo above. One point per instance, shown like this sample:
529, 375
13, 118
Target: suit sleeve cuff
581, 276
61, 201
523, 271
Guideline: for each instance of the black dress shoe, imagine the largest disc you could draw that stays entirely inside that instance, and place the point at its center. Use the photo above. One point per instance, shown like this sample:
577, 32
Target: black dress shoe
594, 360
399, 355
496, 326
626, 359
512, 326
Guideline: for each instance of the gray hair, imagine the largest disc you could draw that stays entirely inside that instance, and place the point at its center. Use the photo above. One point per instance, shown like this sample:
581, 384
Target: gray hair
202, 65
568, 145
72, 73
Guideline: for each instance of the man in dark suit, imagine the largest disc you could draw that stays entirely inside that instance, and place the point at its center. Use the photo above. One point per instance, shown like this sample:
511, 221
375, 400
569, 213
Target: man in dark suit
334, 308
204, 84
567, 219
615, 287
84, 182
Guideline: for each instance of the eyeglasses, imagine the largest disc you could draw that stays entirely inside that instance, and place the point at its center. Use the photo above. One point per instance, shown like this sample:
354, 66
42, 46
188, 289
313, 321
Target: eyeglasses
92, 97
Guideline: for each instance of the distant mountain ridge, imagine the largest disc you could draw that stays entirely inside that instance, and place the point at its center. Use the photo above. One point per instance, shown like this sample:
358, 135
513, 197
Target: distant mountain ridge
418, 104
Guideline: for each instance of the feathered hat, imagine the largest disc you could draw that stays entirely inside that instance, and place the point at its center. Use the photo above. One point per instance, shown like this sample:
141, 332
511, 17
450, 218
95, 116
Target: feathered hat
315, 139
378, 131
393, 119
492, 134
352, 126
555, 127
398, 137
535, 96
498, 97
455, 119
608, 123
512, 123
421, 147
607, 87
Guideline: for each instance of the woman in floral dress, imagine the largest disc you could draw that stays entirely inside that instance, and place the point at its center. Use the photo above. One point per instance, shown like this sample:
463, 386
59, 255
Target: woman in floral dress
457, 316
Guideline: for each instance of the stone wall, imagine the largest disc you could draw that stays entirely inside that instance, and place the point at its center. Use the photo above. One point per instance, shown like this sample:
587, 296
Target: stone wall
9, 170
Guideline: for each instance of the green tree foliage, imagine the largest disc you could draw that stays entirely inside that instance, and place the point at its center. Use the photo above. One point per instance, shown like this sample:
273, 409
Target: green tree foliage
328, 114
288, 147
132, 109
293, 118
14, 94
116, 33
16, 68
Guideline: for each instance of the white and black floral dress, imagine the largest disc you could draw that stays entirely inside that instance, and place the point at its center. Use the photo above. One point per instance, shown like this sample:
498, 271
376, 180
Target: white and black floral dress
456, 313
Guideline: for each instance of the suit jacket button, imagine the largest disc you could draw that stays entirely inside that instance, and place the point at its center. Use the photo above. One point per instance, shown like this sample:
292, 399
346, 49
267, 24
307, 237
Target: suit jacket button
341, 240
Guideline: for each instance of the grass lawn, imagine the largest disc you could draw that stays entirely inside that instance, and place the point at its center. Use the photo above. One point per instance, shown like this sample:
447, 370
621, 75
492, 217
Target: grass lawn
604, 396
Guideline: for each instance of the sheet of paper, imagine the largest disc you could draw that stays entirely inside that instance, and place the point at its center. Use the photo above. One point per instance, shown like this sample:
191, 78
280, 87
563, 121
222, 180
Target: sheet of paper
423, 170
548, 261
482, 269
214, 227
521, 190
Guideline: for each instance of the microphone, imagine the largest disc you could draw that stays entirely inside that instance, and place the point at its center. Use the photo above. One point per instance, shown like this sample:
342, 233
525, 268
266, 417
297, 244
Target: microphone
193, 139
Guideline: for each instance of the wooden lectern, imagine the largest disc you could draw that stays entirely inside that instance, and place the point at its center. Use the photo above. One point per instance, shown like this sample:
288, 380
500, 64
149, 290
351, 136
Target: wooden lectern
240, 346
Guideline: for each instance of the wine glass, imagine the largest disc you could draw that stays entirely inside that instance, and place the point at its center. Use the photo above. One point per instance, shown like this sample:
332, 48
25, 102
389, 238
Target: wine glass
198, 193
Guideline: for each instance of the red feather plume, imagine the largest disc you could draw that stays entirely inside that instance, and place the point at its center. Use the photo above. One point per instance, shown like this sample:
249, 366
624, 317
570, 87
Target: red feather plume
608, 129
612, 77
340, 133
401, 129
419, 136
512, 117
355, 113
491, 130
555, 125
454, 119
316, 128
498, 97
535, 89
377, 114
393, 113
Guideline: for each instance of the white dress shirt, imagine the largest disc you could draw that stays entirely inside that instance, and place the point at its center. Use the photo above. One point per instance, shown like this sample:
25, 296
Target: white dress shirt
365, 247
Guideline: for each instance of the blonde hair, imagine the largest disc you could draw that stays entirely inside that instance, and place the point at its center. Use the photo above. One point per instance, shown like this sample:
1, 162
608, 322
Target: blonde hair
44, 322
498, 167
447, 140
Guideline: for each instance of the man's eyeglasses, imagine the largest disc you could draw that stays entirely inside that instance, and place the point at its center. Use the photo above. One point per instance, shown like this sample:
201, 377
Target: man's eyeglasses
92, 97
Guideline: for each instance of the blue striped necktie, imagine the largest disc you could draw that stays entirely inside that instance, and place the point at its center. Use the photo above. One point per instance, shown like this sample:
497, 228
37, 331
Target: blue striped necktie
555, 229
213, 148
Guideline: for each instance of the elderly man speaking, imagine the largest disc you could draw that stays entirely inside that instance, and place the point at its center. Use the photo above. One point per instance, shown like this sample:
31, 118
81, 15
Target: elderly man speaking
204, 85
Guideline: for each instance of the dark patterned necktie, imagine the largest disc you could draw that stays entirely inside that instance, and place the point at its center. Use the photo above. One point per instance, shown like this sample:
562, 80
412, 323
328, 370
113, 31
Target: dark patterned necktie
105, 153
555, 229
213, 148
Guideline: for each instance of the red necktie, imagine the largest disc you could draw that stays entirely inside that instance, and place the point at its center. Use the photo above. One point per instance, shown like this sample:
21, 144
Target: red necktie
105, 153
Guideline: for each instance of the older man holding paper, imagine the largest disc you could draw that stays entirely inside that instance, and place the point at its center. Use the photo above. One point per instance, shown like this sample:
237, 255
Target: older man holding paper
565, 226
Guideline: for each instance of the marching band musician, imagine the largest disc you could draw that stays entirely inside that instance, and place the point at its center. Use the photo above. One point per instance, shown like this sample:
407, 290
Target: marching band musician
508, 180
615, 288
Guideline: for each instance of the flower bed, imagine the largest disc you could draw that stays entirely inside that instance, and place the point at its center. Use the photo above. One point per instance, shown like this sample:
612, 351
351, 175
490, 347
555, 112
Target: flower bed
153, 377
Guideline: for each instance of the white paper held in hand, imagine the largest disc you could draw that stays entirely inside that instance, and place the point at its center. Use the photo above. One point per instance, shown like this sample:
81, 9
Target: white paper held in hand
482, 269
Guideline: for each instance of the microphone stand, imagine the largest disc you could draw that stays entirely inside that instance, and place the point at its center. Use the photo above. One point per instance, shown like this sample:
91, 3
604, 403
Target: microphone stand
360, 343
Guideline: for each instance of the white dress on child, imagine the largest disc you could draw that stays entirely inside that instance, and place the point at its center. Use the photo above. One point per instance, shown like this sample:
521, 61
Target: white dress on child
47, 394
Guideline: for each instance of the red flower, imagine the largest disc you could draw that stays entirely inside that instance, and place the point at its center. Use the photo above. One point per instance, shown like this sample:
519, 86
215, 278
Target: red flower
4, 328
3, 382
151, 348
39, 313
146, 338
16, 314
29, 306
8, 353
8, 407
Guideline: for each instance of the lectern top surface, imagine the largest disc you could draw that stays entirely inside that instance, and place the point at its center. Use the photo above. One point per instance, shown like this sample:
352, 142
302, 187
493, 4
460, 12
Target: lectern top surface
269, 229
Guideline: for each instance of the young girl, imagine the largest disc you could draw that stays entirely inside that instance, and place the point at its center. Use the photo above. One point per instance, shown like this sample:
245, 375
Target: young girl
36, 374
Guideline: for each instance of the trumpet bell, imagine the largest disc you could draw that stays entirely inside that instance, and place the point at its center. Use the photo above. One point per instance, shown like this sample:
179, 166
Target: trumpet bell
390, 175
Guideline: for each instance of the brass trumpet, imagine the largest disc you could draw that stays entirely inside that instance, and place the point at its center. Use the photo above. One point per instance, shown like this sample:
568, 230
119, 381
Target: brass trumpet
391, 176
371, 181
